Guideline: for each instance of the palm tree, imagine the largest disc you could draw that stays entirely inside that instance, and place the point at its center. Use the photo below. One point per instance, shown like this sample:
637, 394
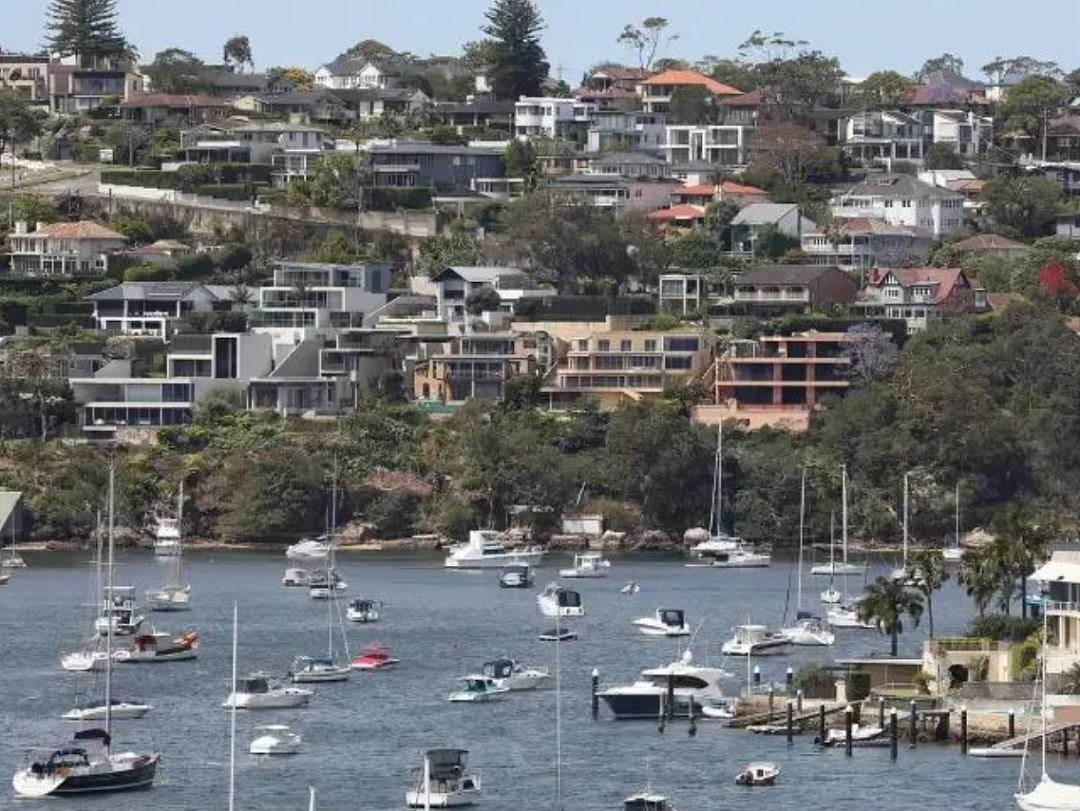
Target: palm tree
1021, 542
885, 604
926, 569
979, 575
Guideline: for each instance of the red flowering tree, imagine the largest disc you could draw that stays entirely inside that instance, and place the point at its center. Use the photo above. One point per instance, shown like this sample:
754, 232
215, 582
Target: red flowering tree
1054, 281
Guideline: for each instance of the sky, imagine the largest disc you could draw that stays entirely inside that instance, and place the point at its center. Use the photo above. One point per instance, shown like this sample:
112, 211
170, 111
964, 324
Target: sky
865, 35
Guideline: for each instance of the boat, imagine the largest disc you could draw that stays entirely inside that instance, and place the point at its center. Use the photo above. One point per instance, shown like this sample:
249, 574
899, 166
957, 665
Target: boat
742, 557
442, 781
275, 739
516, 577
477, 688
842, 613
664, 622
87, 763
166, 537
84, 661
12, 560
631, 588
831, 596
838, 568
259, 691
808, 630
755, 640
954, 552
120, 710
4, 577
296, 578
648, 695
718, 541
374, 657
484, 550
557, 635
92, 656
587, 565
362, 610
175, 592
326, 583
860, 734
513, 675
846, 616
647, 801
309, 550
120, 611
156, 646
901, 573
556, 601
313, 669
760, 773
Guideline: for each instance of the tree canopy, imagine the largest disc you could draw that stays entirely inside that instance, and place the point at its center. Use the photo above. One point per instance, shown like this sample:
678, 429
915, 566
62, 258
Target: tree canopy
646, 38
1024, 204
236, 52
84, 28
517, 65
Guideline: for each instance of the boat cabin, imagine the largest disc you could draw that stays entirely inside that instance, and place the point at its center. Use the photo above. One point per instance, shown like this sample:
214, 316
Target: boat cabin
567, 598
499, 669
671, 617
253, 685
647, 801
446, 764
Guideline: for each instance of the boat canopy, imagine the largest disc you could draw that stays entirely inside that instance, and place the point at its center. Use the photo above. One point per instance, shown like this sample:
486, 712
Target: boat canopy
646, 802
94, 735
672, 617
568, 598
446, 764
499, 668
252, 684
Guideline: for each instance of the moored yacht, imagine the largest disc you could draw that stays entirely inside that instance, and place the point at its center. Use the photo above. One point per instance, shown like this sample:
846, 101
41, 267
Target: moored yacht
86, 765
275, 739
362, 610
119, 610
741, 557
167, 537
484, 550
516, 577
326, 583
647, 697
314, 669
259, 692
665, 622
846, 616
647, 801
120, 710
478, 688
587, 565
809, 631
309, 550
296, 578
156, 646
837, 567
84, 661
513, 675
557, 601
442, 781
374, 657
755, 640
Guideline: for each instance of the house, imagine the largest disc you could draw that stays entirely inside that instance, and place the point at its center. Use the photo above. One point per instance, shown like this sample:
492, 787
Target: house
757, 218
629, 164
477, 365
704, 193
84, 82
656, 91
223, 81
946, 88
611, 364
991, 244
265, 139
883, 136
552, 117
454, 284
743, 109
683, 293
902, 200
724, 146
683, 214
772, 290
445, 168
968, 133
1063, 138
28, 75
778, 380
163, 253
295, 387
625, 130
361, 355
613, 86
366, 103
861, 243
345, 73
1060, 578
159, 109
1065, 173
302, 107
63, 248
918, 295
151, 308
616, 192
490, 114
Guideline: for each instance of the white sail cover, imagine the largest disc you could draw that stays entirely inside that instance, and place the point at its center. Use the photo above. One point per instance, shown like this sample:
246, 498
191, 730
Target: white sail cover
1050, 795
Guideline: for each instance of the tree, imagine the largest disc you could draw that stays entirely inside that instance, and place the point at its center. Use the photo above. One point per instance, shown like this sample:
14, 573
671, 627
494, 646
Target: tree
298, 78
885, 88
692, 104
791, 76
369, 49
646, 39
926, 568
1021, 541
946, 63
518, 65
998, 68
237, 52
175, 70
18, 123
942, 156
871, 352
84, 28
1054, 282
788, 150
482, 300
1024, 203
521, 161
1029, 105
885, 604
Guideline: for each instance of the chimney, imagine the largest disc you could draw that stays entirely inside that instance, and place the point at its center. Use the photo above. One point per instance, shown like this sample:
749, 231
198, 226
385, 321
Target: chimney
20, 227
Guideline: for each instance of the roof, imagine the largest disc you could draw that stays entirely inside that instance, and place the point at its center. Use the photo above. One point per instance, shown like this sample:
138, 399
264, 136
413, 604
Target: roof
726, 187
764, 213
174, 100
942, 280
353, 95
479, 274
618, 73
875, 226
275, 126
680, 212
691, 77
891, 185
299, 97
751, 99
426, 147
616, 158
786, 274
138, 291
989, 242
84, 229
1063, 566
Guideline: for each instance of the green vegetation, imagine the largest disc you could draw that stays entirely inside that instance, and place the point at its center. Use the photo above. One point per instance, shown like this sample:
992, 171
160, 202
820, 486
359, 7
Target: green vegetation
516, 64
885, 604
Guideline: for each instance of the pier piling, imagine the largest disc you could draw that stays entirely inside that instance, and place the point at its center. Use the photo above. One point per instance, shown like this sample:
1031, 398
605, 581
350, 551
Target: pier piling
881, 712
822, 732
847, 730
671, 695
772, 700
892, 733
1012, 724
1065, 742
595, 693
790, 721
914, 723
963, 730
692, 731
789, 678
798, 701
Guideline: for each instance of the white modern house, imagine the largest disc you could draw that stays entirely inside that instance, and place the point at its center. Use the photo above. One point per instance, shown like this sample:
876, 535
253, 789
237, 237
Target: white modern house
968, 133
63, 248
348, 73
150, 308
882, 136
902, 200
683, 293
551, 117
454, 284
630, 130
1060, 580
722, 145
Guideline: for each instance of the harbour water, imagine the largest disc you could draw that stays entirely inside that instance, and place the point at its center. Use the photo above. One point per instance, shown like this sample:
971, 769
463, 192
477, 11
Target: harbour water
363, 738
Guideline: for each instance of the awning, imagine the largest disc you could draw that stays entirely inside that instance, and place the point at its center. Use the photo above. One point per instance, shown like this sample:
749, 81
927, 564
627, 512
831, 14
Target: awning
1063, 567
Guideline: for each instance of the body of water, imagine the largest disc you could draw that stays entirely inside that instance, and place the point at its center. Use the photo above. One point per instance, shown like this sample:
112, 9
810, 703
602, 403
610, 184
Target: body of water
363, 738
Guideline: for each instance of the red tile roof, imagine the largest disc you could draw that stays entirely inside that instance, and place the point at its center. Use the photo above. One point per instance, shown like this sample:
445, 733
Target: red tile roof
83, 229
989, 242
681, 212
692, 77
727, 187
943, 280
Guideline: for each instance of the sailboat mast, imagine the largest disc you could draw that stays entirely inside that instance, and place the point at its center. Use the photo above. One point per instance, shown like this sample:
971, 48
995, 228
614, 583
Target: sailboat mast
1043, 709
232, 712
907, 476
329, 572
109, 605
427, 783
558, 714
802, 518
717, 485
956, 525
843, 521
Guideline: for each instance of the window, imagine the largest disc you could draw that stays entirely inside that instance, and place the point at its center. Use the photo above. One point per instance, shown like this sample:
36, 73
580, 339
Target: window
650, 344
603, 345
625, 345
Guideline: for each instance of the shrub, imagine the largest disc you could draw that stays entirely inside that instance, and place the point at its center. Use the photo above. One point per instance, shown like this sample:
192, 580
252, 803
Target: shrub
1002, 628
391, 199
233, 257
147, 273
394, 514
227, 191
86, 153
195, 266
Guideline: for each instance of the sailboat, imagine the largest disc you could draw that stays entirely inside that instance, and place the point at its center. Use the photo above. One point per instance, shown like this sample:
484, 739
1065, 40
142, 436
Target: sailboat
91, 656
1048, 794
719, 540
844, 615
808, 630
955, 552
831, 596
87, 764
901, 573
175, 593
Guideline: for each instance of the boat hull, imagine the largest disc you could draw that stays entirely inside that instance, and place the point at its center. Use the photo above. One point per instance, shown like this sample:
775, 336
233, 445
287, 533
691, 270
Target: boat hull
138, 773
651, 628
439, 799
647, 706
285, 699
526, 558
827, 570
120, 712
771, 648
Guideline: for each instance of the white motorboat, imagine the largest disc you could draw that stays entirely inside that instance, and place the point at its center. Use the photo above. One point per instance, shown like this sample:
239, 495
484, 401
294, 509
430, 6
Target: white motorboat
326, 583
809, 631
514, 676
156, 646
755, 640
846, 616
120, 711
173, 597
648, 696
859, 734
838, 568
587, 565
84, 661
831, 596
442, 781
314, 669
516, 577
742, 557
120, 610
167, 537
296, 578
556, 601
761, 773
309, 550
647, 801
665, 622
362, 610
484, 550
259, 692
478, 688
275, 739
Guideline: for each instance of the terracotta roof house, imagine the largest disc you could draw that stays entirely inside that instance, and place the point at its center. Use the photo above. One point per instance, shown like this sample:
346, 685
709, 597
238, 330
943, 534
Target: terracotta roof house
991, 243
656, 91
782, 289
63, 248
682, 214
919, 295
704, 193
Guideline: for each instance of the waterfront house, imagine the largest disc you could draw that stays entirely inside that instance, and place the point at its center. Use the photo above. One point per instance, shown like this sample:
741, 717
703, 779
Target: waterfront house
452, 287
919, 296
618, 130
616, 192
772, 290
657, 90
347, 72
489, 114
613, 87
629, 164
80, 83
883, 136
683, 293
79, 248
861, 243
366, 103
299, 106
477, 365
443, 167
159, 109
552, 117
721, 146
1060, 580
151, 308
28, 74
902, 200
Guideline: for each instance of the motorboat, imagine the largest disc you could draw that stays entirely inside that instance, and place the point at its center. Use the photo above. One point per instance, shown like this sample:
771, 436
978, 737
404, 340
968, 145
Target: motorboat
756, 640
275, 739
119, 709
326, 583
742, 557
809, 631
717, 543
845, 616
860, 734
173, 597
556, 601
362, 610
516, 577
952, 553
630, 587
309, 550
647, 801
837, 568
557, 635
587, 565
831, 596
374, 657
665, 622
647, 697
12, 560
761, 773
123, 613
477, 688
313, 669
484, 550
442, 781
513, 675
85, 765
157, 647
84, 661
167, 537
4, 577
296, 578
260, 692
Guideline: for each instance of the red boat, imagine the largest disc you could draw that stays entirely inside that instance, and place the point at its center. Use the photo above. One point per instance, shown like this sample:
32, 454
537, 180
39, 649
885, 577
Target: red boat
374, 657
